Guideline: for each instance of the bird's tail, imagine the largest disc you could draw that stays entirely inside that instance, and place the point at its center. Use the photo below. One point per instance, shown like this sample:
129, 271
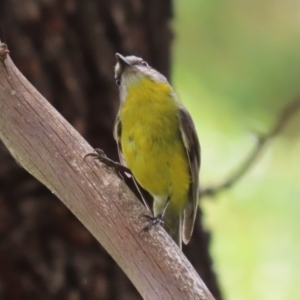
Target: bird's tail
173, 225
172, 219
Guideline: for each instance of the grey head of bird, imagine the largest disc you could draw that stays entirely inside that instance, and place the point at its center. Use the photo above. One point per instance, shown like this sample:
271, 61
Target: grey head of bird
130, 69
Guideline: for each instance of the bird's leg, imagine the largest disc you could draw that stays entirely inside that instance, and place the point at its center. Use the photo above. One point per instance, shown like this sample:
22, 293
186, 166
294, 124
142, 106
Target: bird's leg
153, 221
101, 156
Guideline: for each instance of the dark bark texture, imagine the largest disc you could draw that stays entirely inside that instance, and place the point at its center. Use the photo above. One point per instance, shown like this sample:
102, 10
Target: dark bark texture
66, 49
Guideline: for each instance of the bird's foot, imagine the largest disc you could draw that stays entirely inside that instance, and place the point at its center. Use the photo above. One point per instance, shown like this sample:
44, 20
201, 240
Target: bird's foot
101, 156
152, 221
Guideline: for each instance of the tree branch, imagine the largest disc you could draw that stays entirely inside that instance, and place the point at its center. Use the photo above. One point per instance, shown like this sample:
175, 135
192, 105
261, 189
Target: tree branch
49, 148
286, 114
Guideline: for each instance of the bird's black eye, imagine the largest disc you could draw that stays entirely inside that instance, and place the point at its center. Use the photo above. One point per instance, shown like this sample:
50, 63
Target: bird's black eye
118, 81
144, 63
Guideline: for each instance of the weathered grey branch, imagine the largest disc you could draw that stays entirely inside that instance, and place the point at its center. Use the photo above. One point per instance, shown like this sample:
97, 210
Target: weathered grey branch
49, 148
285, 115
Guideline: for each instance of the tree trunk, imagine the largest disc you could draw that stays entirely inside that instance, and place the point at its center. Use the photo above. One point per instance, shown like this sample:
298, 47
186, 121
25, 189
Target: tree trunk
66, 49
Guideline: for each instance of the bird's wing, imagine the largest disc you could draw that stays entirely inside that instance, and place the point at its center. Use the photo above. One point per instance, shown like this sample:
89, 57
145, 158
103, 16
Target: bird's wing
192, 146
117, 135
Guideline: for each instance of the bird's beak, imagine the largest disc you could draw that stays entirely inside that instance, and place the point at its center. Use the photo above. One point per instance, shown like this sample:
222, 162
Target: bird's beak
122, 60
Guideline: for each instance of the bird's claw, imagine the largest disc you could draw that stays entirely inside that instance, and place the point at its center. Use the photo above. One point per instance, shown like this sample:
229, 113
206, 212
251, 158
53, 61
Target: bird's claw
153, 221
101, 156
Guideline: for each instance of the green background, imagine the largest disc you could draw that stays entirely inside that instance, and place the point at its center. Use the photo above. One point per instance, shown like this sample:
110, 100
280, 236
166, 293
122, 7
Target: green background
236, 65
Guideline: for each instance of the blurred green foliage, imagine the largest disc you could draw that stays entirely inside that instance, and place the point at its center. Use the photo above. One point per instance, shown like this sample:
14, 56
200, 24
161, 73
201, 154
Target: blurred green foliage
236, 64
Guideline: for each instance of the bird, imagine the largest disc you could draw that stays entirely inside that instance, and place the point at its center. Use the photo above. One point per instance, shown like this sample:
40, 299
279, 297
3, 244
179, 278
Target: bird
157, 141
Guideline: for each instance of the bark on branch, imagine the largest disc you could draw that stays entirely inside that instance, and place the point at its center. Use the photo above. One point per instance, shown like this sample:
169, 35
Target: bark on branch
49, 148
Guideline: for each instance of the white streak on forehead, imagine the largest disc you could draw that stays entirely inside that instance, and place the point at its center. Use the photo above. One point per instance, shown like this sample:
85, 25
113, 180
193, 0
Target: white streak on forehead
133, 60
117, 70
